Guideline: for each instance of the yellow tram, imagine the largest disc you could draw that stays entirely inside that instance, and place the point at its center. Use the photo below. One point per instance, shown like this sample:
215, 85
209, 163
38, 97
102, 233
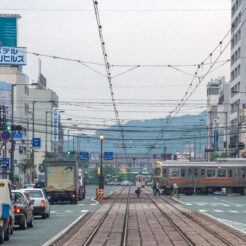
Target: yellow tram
142, 179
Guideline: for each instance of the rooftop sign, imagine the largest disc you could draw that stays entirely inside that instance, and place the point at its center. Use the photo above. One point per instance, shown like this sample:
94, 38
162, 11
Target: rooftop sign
12, 56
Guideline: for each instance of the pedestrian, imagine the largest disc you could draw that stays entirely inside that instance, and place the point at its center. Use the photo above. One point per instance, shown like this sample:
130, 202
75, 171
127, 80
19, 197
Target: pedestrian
138, 190
154, 187
157, 189
175, 190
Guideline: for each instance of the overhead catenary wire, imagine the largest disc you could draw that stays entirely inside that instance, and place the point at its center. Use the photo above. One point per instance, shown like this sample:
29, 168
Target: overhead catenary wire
107, 67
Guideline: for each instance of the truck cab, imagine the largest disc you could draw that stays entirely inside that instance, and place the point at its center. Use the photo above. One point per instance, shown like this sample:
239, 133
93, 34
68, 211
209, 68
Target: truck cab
6, 210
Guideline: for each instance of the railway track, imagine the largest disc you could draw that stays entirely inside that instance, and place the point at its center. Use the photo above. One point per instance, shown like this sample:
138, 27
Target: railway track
205, 227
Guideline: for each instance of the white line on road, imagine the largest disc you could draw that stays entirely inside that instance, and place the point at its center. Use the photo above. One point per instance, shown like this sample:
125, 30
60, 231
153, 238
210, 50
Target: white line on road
218, 211
177, 200
93, 204
84, 211
52, 212
69, 211
50, 241
81, 204
233, 211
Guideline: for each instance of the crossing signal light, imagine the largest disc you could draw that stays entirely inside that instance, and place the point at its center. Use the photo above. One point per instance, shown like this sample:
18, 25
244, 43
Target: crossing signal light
9, 128
68, 152
14, 127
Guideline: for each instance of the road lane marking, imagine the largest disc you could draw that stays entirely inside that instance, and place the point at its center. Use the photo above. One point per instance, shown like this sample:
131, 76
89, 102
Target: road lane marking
84, 211
69, 211
93, 204
177, 200
233, 211
81, 204
50, 241
203, 211
52, 212
218, 211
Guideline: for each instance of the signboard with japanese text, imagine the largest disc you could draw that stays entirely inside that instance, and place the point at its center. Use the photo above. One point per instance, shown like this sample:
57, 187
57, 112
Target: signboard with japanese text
216, 139
12, 56
84, 156
36, 142
108, 156
55, 125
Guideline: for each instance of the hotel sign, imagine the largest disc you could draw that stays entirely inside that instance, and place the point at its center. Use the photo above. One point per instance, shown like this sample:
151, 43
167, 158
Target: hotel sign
12, 56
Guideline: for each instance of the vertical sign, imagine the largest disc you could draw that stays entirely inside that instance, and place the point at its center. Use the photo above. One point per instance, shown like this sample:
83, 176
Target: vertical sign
55, 125
216, 138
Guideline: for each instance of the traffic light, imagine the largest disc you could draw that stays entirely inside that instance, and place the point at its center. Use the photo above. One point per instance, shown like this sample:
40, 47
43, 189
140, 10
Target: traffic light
8, 127
68, 152
16, 128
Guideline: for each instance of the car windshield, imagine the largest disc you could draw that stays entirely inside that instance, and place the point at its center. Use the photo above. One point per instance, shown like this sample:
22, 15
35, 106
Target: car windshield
35, 193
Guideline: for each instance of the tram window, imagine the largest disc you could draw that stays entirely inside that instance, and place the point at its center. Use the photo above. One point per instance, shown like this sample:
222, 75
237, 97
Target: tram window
195, 172
164, 172
174, 172
242, 173
236, 172
182, 172
157, 171
221, 173
229, 173
202, 173
211, 173
189, 172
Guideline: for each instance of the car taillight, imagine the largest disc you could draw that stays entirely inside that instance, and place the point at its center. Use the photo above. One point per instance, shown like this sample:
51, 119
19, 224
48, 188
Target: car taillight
17, 210
73, 196
42, 204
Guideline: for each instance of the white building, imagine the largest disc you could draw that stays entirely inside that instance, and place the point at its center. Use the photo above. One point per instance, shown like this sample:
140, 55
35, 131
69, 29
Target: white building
43, 101
238, 66
13, 75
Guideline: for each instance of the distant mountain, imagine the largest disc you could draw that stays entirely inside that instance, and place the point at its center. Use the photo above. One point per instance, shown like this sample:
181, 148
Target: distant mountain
149, 135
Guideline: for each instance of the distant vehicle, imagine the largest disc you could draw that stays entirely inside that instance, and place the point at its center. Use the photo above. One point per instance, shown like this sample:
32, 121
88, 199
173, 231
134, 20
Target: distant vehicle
64, 181
126, 183
41, 204
6, 210
29, 186
22, 210
141, 178
202, 177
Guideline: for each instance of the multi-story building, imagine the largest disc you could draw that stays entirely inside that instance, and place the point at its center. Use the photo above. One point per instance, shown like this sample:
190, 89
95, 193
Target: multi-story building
43, 106
213, 96
12, 59
238, 67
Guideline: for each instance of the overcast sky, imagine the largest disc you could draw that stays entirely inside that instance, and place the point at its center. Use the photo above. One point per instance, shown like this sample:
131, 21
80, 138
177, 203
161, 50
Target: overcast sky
131, 37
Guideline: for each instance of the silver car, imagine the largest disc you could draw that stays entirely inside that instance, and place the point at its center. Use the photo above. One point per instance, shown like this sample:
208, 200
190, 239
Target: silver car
41, 204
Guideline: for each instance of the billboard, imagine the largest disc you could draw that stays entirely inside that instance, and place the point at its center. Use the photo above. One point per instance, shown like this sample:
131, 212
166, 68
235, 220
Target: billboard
12, 56
8, 29
55, 125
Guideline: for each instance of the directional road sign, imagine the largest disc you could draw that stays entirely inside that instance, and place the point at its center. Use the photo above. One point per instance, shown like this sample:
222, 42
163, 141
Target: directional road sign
36, 142
6, 135
17, 134
4, 164
108, 156
84, 156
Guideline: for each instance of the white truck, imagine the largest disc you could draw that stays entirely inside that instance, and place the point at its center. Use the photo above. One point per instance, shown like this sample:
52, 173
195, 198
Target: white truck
6, 209
64, 181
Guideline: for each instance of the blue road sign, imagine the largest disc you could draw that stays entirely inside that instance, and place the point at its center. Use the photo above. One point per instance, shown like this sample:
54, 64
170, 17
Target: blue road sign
4, 164
216, 138
36, 142
84, 156
17, 134
108, 156
6, 135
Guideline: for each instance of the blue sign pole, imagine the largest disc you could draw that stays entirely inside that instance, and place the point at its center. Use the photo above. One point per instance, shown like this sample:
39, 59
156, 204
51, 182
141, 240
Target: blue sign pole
216, 140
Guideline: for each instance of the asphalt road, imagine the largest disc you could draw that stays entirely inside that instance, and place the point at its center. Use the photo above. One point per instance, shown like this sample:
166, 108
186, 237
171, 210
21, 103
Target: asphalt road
62, 215
230, 210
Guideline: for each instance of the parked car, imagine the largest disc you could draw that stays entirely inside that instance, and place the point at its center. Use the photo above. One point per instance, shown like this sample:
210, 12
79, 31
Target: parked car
41, 204
6, 210
23, 211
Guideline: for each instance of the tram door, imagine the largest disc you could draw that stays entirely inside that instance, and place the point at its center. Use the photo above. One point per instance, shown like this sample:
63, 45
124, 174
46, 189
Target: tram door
242, 178
196, 176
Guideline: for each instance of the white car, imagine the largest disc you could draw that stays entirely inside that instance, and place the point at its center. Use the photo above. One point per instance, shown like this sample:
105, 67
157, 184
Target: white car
41, 204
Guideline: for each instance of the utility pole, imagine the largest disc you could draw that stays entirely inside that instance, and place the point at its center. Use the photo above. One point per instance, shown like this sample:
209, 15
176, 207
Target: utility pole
237, 138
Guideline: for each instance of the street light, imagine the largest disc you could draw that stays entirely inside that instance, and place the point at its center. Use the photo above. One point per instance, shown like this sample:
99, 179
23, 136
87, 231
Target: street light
101, 179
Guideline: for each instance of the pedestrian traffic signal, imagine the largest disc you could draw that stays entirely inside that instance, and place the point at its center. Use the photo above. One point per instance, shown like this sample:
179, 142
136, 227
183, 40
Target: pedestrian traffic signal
68, 152
14, 127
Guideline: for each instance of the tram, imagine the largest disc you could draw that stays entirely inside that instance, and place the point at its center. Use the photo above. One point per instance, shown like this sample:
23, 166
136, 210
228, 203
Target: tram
141, 178
202, 177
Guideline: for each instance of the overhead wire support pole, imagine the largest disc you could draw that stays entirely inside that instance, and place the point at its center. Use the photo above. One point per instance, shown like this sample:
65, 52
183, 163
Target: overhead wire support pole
107, 67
